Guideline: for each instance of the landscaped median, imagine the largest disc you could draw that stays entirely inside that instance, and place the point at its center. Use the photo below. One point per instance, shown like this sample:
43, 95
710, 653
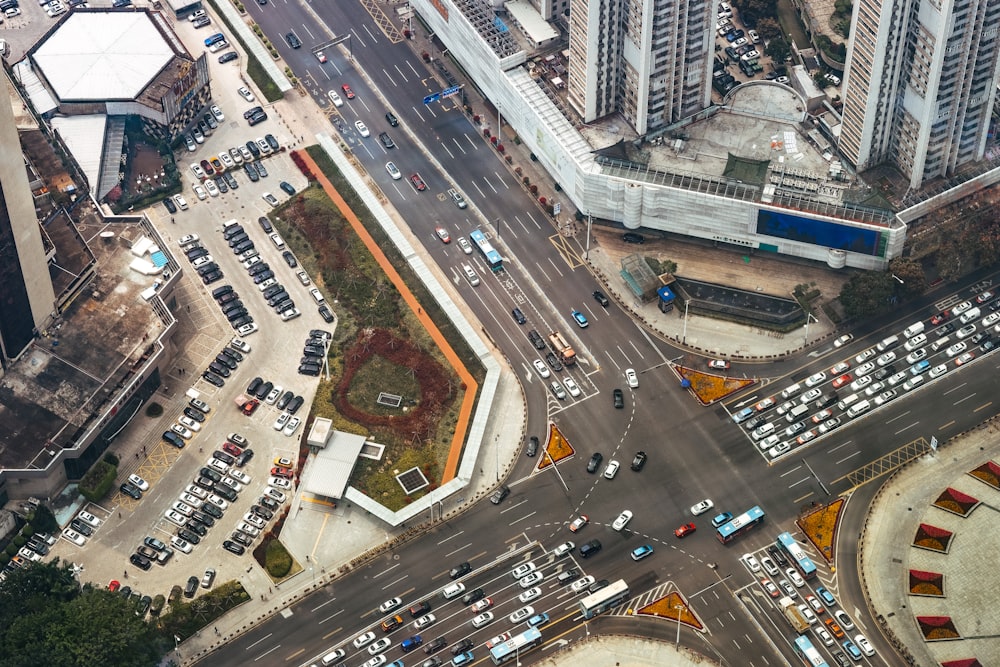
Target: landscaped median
820, 527
556, 448
674, 608
709, 388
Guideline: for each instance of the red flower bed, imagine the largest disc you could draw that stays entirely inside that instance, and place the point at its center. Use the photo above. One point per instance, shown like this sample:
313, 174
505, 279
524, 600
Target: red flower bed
926, 583
965, 662
988, 473
435, 389
301, 164
956, 502
936, 628
933, 538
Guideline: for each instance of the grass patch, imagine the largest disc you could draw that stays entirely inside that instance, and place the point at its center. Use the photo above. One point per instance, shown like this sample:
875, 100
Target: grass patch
709, 388
268, 88
820, 526
672, 607
186, 618
379, 375
556, 449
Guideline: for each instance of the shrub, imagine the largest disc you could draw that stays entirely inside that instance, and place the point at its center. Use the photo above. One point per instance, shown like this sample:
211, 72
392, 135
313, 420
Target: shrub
98, 480
154, 410
157, 605
111, 458
278, 561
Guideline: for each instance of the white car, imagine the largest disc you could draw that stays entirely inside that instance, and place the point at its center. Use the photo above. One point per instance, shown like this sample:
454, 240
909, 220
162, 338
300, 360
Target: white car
290, 427
611, 470
89, 518
245, 93
254, 520
183, 508
562, 550
769, 566
188, 240
380, 646
282, 419
571, 387
240, 476
523, 570
279, 483
542, 369
956, 349
622, 520
631, 378
750, 562
796, 578
376, 661
274, 494
200, 192
389, 605
232, 484
74, 537
228, 161
181, 431
274, 394
190, 499
702, 507
181, 545
523, 613
862, 643
393, 171
196, 491
362, 128
217, 112
466, 247
242, 346
531, 579
219, 465
530, 594
201, 261
843, 340
581, 584
189, 423
175, 518
483, 619
217, 501
815, 379
424, 621
364, 640
269, 198
138, 482
213, 190
335, 98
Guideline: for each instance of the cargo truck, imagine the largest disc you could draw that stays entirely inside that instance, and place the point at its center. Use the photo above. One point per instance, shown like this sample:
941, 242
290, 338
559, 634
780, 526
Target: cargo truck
794, 616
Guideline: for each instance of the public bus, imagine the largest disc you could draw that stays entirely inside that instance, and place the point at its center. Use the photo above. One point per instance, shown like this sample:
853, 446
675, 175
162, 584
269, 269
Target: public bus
610, 596
512, 648
798, 555
492, 256
808, 653
735, 527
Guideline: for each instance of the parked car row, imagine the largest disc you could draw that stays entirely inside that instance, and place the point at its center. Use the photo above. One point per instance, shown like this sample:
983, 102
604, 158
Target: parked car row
80, 528
204, 264
34, 550
274, 395
313, 353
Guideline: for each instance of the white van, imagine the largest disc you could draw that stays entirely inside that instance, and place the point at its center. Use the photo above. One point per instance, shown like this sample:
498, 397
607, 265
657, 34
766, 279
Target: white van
941, 342
316, 295
230, 223
888, 343
470, 275
761, 431
970, 315
848, 401
332, 657
859, 409
791, 391
913, 330
915, 342
797, 413
913, 382
453, 591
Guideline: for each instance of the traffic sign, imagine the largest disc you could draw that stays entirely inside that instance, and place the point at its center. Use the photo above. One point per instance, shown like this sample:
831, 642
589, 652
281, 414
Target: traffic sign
448, 92
556, 208
432, 98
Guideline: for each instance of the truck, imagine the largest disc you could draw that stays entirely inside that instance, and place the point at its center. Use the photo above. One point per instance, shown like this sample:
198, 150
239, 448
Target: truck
794, 616
562, 349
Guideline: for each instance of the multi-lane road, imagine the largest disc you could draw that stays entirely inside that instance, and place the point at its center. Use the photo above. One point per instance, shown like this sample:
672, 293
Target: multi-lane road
694, 452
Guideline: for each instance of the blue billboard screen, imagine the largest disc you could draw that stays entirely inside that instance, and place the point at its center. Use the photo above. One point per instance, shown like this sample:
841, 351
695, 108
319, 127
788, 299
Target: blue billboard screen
818, 232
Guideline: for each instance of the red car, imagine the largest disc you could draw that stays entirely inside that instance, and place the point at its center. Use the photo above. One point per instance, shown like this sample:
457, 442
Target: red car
719, 364
230, 448
418, 182
442, 234
250, 406
207, 168
114, 585
770, 588
685, 530
842, 380
282, 472
348, 93
940, 318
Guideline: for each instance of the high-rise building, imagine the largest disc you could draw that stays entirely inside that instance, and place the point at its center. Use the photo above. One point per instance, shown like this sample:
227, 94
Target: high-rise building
650, 60
26, 296
920, 85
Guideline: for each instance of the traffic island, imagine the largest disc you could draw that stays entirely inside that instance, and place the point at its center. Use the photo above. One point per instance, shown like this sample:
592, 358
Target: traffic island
708, 388
674, 608
556, 449
820, 527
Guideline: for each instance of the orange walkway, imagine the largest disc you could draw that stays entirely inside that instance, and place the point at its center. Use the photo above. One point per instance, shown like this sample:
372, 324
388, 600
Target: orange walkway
471, 387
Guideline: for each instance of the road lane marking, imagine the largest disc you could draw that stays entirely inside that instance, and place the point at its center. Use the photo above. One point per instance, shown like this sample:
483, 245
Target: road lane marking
955, 388
897, 417
849, 456
964, 399
265, 637
804, 479
451, 553
393, 583
513, 507
799, 500
844, 444
906, 428
451, 537
297, 653
391, 568
791, 471
526, 516
334, 615
983, 406
322, 604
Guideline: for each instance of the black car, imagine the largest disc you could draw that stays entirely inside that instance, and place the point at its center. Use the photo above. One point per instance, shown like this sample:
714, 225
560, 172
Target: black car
226, 458
195, 253
196, 415
242, 538
218, 369
211, 510
259, 267
988, 345
632, 237
619, 398
174, 439
289, 258
518, 316
226, 492
244, 457
234, 548
600, 298
286, 187
313, 351
293, 40
272, 142
386, 140
639, 461
212, 378
253, 148
946, 329
213, 277
169, 204
191, 587
219, 291
205, 269
755, 422
255, 119
131, 491
235, 355
473, 596
277, 297
532, 448
228, 298
203, 518
251, 111
195, 527
140, 561
265, 224
598, 585
269, 502
188, 536
460, 570
435, 646
211, 474
262, 512
536, 340
595, 462
225, 360
272, 290
205, 483
500, 494
462, 646
553, 361
393, 121
251, 172
255, 385
284, 400
306, 369
231, 180
263, 390
294, 404
227, 57
777, 555
261, 169
325, 313
81, 527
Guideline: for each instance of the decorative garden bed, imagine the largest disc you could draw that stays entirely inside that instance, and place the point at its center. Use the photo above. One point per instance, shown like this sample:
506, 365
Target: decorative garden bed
988, 473
556, 449
709, 388
929, 584
932, 538
956, 502
820, 527
937, 628
672, 607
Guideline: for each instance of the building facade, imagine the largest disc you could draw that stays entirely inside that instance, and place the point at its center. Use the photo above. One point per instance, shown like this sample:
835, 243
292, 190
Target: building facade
920, 85
649, 60
27, 299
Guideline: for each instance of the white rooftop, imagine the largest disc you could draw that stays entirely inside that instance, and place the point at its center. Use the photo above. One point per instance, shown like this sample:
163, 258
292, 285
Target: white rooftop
84, 136
103, 56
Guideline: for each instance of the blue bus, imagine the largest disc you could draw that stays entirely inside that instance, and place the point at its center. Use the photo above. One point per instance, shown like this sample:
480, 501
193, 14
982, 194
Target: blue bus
735, 527
808, 653
493, 258
798, 555
512, 648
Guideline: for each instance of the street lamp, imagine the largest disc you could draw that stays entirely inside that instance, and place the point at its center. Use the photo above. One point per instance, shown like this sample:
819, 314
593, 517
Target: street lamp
684, 334
809, 316
679, 608
586, 250
555, 468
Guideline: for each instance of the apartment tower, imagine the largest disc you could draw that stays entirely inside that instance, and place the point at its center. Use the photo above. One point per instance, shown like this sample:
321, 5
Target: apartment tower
26, 296
650, 60
920, 85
